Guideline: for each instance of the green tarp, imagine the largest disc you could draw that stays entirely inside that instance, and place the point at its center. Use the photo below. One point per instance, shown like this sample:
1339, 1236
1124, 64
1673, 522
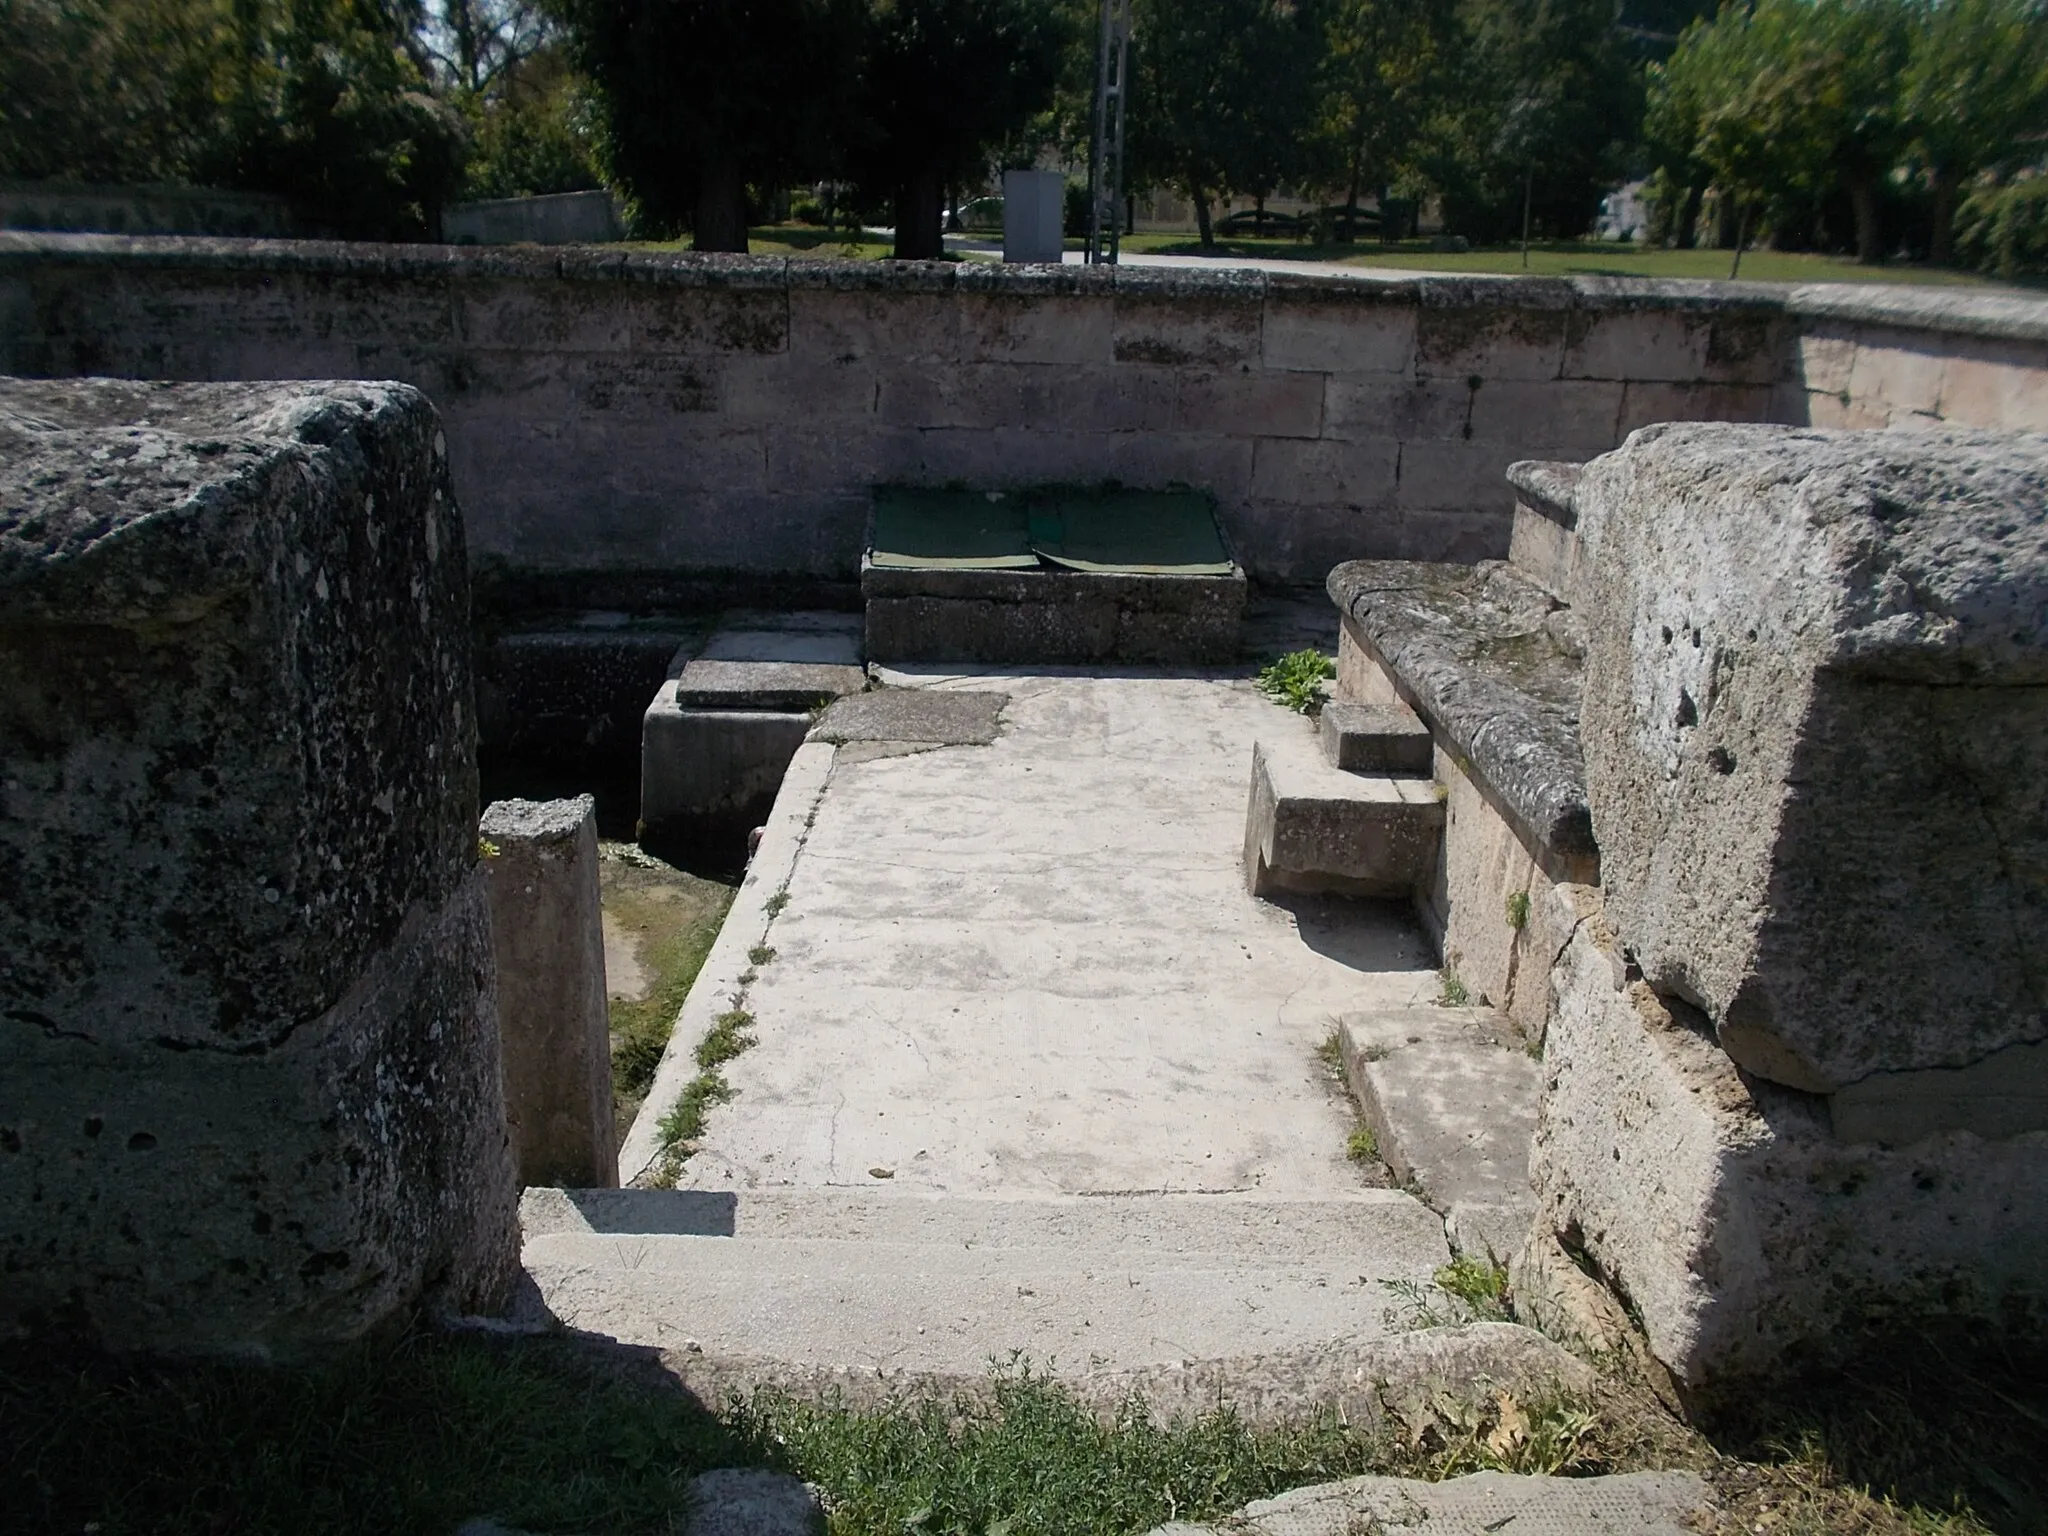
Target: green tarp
1165, 533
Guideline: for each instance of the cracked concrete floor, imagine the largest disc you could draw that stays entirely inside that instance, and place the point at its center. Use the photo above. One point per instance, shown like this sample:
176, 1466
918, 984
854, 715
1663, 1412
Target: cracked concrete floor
1032, 967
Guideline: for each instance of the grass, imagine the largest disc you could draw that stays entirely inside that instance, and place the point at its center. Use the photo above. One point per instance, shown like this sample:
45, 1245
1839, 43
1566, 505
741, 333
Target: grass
1568, 258
1518, 910
1362, 1145
806, 240
1295, 681
417, 1433
1451, 991
671, 919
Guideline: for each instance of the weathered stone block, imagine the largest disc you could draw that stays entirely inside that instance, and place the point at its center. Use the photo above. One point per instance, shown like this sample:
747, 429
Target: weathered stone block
1175, 318
1264, 404
1456, 337
1815, 723
249, 1071
1374, 738
1545, 543
1742, 1233
1311, 827
704, 771
548, 934
1359, 474
1308, 326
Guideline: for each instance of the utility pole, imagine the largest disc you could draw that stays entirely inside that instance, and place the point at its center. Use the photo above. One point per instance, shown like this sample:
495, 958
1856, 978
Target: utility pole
1106, 159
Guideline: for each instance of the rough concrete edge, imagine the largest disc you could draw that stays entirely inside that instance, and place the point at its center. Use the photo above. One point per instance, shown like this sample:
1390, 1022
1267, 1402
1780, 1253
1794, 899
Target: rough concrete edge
746, 925
1390, 1369
1668, 1487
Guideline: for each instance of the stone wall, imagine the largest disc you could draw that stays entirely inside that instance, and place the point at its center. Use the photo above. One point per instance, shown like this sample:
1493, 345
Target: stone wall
621, 421
250, 1099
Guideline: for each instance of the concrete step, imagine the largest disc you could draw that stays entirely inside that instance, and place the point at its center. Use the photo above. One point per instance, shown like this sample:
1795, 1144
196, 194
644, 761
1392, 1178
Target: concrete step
1310, 826
1451, 1095
940, 1285
1375, 738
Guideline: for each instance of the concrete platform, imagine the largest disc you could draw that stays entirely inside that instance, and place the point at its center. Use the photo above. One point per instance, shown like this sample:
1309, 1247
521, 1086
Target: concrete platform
1310, 826
1451, 1096
1031, 967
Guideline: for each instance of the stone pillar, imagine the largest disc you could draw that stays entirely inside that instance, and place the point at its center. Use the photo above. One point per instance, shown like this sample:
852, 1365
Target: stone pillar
548, 933
249, 1082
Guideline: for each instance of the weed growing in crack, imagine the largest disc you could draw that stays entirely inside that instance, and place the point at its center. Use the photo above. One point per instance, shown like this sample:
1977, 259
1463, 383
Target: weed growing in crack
1451, 993
761, 954
1362, 1146
774, 904
1518, 910
1295, 681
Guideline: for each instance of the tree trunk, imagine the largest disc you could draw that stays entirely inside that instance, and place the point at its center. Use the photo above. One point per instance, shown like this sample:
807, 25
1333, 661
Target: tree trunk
1200, 199
1351, 198
920, 218
720, 223
1130, 213
1940, 247
1688, 232
1863, 204
1259, 214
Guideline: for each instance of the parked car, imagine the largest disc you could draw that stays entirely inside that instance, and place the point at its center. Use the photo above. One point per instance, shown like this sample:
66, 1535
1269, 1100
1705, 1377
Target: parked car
1248, 221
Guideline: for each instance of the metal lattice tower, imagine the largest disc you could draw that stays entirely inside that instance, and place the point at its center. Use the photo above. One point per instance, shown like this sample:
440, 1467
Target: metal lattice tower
1106, 162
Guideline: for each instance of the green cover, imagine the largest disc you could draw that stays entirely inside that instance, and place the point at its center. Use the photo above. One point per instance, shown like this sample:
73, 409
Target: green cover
951, 531
1134, 533
1115, 532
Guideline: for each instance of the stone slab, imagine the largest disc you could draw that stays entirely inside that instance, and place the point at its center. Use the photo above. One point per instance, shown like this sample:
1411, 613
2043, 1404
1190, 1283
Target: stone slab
1050, 617
1480, 1504
708, 683
752, 1501
1451, 1098
1743, 1234
1815, 722
547, 932
702, 766
1385, 739
927, 716
1312, 827
249, 1071
812, 637
952, 1306
1475, 650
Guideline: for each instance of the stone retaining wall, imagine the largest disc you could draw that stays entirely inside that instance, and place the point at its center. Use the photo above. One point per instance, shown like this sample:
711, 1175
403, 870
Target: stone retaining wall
618, 420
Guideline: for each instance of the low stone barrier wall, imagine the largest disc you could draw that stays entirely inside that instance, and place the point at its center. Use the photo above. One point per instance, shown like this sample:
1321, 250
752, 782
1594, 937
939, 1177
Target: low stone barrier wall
624, 426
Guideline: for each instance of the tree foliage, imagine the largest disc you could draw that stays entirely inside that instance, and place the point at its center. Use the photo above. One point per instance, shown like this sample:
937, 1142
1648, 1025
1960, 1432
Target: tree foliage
1785, 104
320, 101
942, 82
698, 98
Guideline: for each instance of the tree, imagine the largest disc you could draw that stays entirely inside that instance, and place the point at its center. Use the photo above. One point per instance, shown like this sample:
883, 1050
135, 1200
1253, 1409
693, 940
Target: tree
1548, 100
942, 82
699, 98
1383, 74
1220, 87
109, 90
1975, 94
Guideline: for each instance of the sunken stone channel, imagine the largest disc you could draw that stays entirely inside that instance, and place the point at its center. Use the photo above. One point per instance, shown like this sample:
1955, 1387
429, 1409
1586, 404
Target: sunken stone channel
249, 1067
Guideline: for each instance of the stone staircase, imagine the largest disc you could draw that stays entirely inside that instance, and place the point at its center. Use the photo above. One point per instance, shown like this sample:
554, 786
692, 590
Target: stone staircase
1348, 808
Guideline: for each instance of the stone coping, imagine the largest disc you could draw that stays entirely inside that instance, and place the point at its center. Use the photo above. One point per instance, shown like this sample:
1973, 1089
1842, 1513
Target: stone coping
1548, 486
1998, 315
1489, 662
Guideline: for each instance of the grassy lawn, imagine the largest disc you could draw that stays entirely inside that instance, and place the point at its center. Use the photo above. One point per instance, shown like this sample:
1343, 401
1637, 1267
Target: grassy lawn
1569, 259
571, 1434
659, 924
794, 240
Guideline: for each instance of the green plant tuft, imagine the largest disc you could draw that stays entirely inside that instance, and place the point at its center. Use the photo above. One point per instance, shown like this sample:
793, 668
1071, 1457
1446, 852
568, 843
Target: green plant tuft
1362, 1146
1295, 681
726, 1038
486, 849
774, 904
1480, 1284
1518, 910
1452, 993
760, 954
